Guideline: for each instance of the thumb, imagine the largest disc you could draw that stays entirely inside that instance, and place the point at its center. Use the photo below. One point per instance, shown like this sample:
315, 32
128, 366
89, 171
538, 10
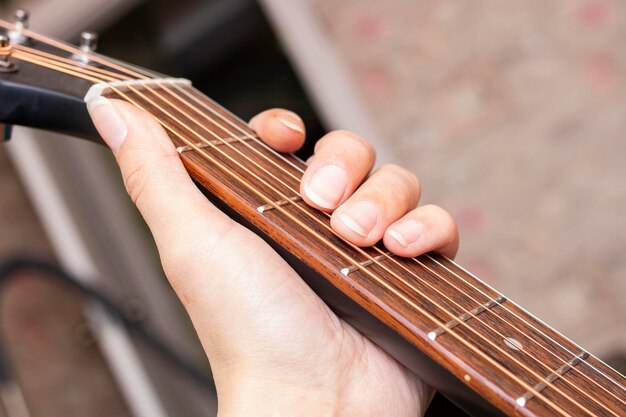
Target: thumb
154, 175
223, 292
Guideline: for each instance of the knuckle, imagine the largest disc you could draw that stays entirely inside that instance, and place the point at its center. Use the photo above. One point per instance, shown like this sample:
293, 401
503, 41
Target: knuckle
180, 260
136, 181
400, 180
444, 221
403, 174
352, 140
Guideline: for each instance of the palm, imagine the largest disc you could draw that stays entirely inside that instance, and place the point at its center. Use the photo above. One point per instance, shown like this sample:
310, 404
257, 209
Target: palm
287, 337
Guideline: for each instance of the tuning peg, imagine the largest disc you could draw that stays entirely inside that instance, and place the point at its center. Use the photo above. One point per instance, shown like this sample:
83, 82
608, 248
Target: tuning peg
20, 20
6, 65
88, 42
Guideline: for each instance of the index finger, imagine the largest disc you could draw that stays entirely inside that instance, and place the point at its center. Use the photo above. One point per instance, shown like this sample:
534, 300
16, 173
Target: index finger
281, 129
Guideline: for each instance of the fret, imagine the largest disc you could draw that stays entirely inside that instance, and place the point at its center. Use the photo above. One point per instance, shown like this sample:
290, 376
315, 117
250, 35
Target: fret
523, 400
465, 317
280, 203
353, 268
593, 375
103, 89
540, 356
195, 127
210, 143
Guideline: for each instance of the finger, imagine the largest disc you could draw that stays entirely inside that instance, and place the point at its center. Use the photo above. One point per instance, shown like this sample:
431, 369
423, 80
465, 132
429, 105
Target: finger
281, 129
425, 229
385, 197
341, 161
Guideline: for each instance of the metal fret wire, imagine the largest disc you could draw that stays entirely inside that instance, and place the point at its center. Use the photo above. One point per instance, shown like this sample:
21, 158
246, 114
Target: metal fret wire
212, 120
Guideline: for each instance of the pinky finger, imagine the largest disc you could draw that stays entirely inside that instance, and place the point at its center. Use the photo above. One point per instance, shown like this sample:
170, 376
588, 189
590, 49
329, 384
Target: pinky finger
425, 229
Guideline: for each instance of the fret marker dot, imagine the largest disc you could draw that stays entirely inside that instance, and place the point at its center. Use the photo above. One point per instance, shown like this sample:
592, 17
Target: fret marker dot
513, 343
467, 378
432, 336
345, 271
521, 401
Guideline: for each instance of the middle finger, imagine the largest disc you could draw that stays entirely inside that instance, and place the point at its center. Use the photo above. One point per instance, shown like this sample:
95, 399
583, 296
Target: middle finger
386, 196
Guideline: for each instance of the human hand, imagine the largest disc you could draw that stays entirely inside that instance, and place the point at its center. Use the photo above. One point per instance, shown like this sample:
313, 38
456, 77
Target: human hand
274, 347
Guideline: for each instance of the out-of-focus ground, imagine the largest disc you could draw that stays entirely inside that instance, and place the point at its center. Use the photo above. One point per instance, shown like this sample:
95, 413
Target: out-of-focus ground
513, 114
42, 325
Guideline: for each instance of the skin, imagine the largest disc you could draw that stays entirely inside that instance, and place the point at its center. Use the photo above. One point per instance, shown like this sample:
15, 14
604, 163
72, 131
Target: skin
274, 347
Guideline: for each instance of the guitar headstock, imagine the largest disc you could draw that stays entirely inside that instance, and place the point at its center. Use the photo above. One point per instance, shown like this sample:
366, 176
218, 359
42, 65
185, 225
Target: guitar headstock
43, 81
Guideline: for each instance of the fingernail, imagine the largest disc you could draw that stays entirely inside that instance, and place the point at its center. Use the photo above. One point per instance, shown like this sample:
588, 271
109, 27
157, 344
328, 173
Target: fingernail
291, 120
327, 186
109, 123
407, 232
253, 122
361, 218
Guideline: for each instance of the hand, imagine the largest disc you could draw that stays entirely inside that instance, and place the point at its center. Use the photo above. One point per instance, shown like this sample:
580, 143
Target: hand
274, 347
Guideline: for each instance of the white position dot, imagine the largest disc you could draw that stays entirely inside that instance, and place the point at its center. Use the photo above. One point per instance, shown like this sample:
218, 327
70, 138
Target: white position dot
513, 343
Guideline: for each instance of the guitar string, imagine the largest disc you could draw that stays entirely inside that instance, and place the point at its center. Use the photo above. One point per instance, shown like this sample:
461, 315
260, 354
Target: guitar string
71, 62
350, 259
409, 271
18, 54
390, 271
124, 68
24, 57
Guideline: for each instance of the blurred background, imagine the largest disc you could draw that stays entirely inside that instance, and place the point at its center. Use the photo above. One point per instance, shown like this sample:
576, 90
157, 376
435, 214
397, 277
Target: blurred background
512, 113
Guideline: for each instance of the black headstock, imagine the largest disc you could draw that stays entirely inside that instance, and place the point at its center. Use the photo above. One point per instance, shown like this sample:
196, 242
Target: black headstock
43, 81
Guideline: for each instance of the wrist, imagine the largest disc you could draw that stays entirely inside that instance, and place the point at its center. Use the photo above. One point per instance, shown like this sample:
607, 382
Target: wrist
271, 399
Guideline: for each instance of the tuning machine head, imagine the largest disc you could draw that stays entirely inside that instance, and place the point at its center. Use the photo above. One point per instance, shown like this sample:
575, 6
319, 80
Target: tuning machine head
20, 19
20, 22
6, 64
88, 42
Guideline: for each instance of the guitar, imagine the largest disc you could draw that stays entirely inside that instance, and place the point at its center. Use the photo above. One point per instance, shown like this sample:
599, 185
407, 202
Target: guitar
474, 345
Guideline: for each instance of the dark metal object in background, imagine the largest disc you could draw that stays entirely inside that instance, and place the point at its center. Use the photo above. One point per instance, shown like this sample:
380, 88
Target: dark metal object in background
226, 47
